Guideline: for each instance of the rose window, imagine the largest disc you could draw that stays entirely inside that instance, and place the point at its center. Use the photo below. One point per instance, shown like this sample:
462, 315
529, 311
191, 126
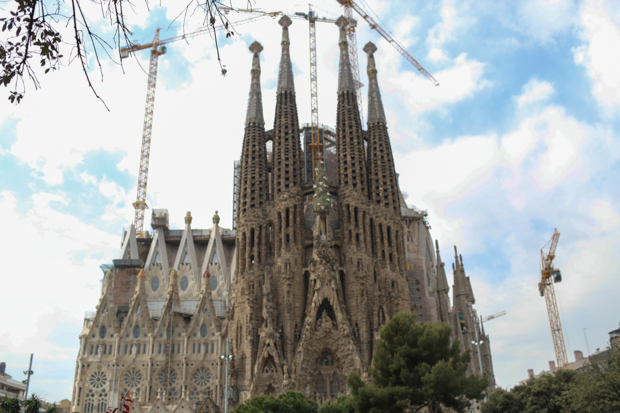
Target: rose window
98, 379
133, 378
202, 377
166, 379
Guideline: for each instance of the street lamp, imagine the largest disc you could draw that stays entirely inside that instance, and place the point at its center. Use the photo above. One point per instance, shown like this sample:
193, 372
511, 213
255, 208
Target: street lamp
28, 373
226, 357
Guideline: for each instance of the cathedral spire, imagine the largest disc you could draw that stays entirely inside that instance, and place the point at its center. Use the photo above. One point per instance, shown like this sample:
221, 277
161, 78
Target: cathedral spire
375, 105
255, 102
345, 73
285, 77
351, 157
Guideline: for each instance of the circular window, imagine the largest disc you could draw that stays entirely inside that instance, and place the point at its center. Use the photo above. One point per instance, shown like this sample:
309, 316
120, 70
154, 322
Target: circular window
133, 378
213, 283
155, 283
203, 331
202, 377
98, 379
184, 283
165, 379
102, 332
136, 331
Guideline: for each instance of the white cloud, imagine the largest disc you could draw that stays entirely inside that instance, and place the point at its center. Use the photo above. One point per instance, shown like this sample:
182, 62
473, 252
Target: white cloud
535, 91
545, 19
53, 276
605, 214
599, 29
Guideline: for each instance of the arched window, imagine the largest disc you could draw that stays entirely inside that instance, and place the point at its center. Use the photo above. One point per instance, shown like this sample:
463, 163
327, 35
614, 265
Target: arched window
320, 385
184, 283
136, 331
102, 331
335, 385
203, 331
96, 397
213, 283
154, 283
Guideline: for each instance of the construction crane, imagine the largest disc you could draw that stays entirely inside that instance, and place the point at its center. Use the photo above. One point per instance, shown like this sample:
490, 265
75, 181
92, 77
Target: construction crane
549, 276
493, 316
157, 49
316, 146
349, 6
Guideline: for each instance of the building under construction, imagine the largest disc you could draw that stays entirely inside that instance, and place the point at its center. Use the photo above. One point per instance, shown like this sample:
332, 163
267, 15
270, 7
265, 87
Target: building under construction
316, 263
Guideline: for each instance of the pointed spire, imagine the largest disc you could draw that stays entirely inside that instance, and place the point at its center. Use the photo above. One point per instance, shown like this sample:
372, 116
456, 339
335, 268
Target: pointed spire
285, 77
255, 101
442, 280
345, 74
375, 105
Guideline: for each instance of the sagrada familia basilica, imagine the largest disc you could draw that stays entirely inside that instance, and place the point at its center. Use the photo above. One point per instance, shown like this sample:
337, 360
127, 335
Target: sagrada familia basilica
296, 294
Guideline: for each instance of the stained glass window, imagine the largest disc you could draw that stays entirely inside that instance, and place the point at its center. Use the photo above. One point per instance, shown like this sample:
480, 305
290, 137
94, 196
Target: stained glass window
136, 331
102, 332
213, 283
133, 378
203, 331
184, 283
155, 283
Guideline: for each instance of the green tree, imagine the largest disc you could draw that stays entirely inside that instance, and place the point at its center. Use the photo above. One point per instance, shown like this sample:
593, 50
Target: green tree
502, 401
549, 393
289, 402
51, 408
10, 405
33, 404
597, 388
344, 404
416, 366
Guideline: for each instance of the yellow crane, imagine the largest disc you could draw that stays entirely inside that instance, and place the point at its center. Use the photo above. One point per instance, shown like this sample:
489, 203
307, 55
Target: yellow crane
549, 276
157, 49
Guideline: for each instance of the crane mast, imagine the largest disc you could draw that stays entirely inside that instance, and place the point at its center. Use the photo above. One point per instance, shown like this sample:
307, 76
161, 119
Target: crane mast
145, 151
316, 146
549, 276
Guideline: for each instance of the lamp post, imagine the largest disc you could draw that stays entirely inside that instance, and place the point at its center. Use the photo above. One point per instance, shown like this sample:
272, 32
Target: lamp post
226, 357
28, 373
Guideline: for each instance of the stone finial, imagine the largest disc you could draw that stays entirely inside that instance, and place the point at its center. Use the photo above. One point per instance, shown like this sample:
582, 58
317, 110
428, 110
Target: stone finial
141, 274
370, 48
174, 274
285, 21
216, 218
188, 218
256, 48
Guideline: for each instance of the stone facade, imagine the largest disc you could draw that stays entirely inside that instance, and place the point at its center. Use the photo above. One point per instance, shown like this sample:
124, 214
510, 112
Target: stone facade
301, 287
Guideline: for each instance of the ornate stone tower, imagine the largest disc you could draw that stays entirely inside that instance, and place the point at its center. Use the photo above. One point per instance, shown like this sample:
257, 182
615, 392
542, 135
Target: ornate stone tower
320, 268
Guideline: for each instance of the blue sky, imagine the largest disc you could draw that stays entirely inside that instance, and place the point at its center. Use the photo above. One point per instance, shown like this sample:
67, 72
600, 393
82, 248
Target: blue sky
521, 137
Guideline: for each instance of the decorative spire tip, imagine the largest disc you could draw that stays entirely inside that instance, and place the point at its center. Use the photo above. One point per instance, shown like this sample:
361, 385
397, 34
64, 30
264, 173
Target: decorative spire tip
256, 47
370, 48
285, 21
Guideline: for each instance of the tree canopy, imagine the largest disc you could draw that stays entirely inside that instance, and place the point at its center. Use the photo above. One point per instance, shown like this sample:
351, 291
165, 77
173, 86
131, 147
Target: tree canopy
10, 405
593, 389
34, 32
416, 366
289, 402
